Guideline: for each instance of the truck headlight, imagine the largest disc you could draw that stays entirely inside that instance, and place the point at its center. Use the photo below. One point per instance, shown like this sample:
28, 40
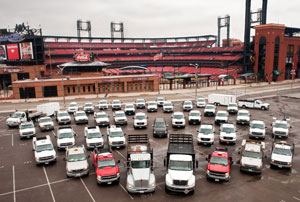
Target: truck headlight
153, 184
226, 174
207, 172
99, 177
118, 174
272, 161
289, 163
87, 167
154, 132
129, 185
36, 158
69, 170
242, 164
259, 167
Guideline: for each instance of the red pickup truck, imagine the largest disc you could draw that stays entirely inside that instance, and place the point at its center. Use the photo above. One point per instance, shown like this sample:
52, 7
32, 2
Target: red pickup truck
219, 163
106, 167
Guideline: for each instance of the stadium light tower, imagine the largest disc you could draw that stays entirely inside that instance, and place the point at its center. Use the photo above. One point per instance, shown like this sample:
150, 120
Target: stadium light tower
196, 65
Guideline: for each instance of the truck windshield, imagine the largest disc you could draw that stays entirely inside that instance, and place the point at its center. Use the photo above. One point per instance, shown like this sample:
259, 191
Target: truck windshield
195, 114
221, 114
116, 134
168, 104
243, 114
160, 125
116, 102
101, 116
129, 107
93, 135
65, 135
250, 154
44, 147
73, 105
26, 126
80, 114
281, 125
280, 151
219, 160
140, 164
120, 115
88, 105
140, 117
16, 115
103, 102
63, 114
209, 107
201, 100
259, 126
152, 104
45, 120
205, 130
187, 103
227, 130
181, 165
104, 163
140, 101
178, 116
76, 157
232, 105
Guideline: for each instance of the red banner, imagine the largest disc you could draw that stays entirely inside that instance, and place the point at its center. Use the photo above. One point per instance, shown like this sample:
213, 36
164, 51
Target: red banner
82, 58
12, 51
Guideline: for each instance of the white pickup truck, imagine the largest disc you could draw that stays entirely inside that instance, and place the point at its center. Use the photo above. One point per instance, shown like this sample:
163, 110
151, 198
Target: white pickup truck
255, 104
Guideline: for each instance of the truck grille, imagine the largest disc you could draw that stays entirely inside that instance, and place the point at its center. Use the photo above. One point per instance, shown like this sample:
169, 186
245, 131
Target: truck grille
27, 133
228, 138
141, 183
180, 182
280, 133
77, 171
108, 177
178, 122
64, 119
280, 163
95, 144
205, 139
66, 144
118, 143
45, 158
256, 133
218, 174
140, 124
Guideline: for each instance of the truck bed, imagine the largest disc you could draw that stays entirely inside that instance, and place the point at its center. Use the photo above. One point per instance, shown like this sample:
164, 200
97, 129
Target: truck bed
181, 144
138, 143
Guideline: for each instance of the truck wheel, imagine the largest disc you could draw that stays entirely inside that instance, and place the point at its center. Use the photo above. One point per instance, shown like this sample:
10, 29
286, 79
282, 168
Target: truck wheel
263, 108
244, 106
167, 190
191, 192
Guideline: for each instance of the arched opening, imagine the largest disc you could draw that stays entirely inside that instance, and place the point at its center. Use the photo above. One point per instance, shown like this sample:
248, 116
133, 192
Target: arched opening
262, 58
276, 73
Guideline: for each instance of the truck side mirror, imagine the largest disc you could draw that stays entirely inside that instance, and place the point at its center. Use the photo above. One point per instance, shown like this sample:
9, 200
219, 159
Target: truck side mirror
206, 158
165, 162
197, 164
118, 161
132, 117
64, 159
33, 149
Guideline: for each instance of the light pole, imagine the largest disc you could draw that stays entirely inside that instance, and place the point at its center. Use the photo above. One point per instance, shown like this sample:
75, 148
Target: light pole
62, 83
196, 76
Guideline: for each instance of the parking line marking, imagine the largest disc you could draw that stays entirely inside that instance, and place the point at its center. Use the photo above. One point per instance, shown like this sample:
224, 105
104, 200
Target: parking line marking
49, 184
12, 139
121, 154
14, 183
87, 190
296, 198
126, 191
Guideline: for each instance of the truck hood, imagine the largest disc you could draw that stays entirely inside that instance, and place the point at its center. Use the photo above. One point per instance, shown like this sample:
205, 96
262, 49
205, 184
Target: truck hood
141, 174
152, 107
45, 153
281, 130
107, 171
27, 130
46, 123
194, 117
282, 158
116, 139
227, 134
251, 161
180, 175
221, 118
218, 168
189, 106
205, 135
65, 140
77, 165
63, 117
232, 108
140, 121
257, 130
120, 118
209, 110
81, 117
13, 119
102, 120
94, 140
243, 118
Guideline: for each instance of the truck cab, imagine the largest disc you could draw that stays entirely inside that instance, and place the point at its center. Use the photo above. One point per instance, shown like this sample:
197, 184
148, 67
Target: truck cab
65, 137
219, 163
140, 120
16, 119
206, 134
243, 117
280, 128
43, 150
120, 118
168, 106
194, 117
46, 123
140, 175
88, 108
27, 130
228, 133
115, 137
257, 129
106, 168
116, 105
103, 104
160, 101
201, 102
73, 107
63, 117
178, 120
101, 118
80, 117
76, 162
282, 155
140, 103
152, 106
180, 163
93, 137
232, 108
209, 110
221, 117
129, 109
187, 105
252, 154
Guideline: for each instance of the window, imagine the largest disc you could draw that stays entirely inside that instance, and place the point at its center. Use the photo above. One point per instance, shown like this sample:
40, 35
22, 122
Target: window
136, 87
73, 89
89, 88
78, 87
141, 86
149, 86
118, 87
103, 88
83, 89
113, 87
68, 90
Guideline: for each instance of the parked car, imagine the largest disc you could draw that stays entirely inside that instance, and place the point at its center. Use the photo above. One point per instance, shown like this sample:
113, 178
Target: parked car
178, 120
140, 103
80, 117
257, 129
160, 128
116, 105
73, 107
194, 117
221, 117
152, 106
129, 109
103, 104
201, 102
187, 105
160, 101
140, 120
228, 133
45, 123
93, 137
115, 137
88, 108
209, 110
120, 118
43, 149
243, 117
76, 162
101, 118
232, 108
168, 106
27, 130
206, 134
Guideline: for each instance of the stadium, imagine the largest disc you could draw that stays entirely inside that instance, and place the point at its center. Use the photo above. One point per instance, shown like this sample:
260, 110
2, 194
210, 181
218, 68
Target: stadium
37, 65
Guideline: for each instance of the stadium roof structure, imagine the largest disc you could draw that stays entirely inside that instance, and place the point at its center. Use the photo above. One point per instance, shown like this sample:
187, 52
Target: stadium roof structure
188, 76
84, 64
133, 68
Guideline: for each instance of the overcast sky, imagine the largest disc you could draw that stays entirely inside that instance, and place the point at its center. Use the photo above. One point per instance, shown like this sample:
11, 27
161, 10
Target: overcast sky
143, 18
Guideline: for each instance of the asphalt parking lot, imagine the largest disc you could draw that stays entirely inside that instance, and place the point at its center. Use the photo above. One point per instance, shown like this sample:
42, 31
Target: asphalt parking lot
22, 180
